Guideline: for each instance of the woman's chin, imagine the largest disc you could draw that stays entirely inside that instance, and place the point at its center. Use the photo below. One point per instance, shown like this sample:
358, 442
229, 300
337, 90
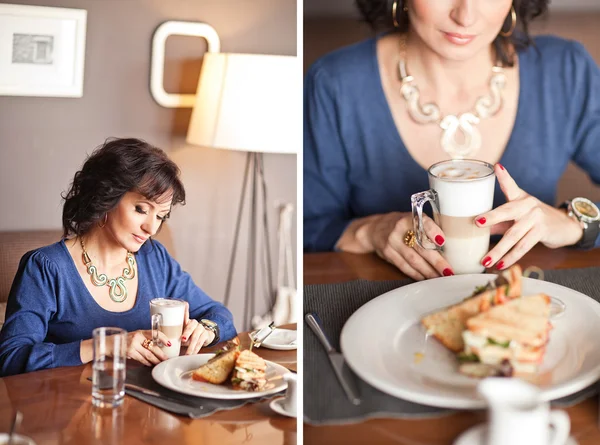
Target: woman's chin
132, 247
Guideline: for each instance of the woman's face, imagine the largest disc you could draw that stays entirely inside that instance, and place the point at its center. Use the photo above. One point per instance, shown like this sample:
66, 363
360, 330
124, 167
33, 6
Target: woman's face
136, 218
458, 29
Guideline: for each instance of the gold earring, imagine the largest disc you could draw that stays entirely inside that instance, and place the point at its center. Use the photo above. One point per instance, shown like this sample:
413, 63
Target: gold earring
513, 24
105, 220
394, 14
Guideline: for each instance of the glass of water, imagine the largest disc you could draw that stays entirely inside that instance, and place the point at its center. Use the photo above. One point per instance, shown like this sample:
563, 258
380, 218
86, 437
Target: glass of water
108, 378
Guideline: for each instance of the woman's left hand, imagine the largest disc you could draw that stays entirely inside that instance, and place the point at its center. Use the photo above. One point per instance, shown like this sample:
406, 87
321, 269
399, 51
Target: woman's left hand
195, 336
525, 221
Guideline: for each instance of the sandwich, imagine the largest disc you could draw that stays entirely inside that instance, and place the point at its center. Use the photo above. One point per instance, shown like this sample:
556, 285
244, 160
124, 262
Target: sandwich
508, 339
249, 372
448, 324
218, 369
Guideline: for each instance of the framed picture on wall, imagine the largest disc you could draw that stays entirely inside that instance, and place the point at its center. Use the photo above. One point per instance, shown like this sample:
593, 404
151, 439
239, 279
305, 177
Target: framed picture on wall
42, 51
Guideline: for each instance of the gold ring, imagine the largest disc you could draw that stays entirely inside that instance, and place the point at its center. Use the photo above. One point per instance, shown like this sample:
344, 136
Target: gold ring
147, 344
410, 239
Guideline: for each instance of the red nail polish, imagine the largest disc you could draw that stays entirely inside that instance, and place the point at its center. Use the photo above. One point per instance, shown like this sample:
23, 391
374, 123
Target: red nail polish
500, 265
481, 221
169, 343
184, 338
486, 261
448, 272
501, 166
439, 240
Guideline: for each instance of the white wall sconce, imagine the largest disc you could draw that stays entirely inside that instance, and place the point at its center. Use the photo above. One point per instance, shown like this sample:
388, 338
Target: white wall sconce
194, 29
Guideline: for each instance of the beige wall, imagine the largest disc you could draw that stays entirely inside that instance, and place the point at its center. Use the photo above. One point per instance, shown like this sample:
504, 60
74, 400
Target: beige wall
43, 141
324, 34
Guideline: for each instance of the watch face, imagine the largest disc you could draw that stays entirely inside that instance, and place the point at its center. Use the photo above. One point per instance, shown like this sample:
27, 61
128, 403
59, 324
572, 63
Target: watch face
586, 209
210, 323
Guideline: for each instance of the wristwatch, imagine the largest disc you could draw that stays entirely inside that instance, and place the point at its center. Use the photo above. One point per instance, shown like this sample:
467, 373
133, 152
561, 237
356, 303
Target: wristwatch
588, 215
212, 326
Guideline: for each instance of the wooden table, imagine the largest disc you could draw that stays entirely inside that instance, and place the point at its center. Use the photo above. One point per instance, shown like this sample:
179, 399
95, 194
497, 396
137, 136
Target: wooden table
57, 409
337, 267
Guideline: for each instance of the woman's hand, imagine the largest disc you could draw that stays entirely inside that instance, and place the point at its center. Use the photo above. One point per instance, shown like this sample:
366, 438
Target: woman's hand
195, 336
385, 235
150, 356
524, 221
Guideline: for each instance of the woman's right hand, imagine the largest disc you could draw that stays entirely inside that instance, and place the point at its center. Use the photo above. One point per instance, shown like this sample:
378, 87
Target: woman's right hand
150, 356
386, 236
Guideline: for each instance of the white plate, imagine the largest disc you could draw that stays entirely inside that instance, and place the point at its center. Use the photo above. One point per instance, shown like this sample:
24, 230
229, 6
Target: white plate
176, 374
386, 357
280, 339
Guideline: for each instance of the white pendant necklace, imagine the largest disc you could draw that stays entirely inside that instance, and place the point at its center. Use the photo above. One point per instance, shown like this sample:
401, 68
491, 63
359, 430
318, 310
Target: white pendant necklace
465, 123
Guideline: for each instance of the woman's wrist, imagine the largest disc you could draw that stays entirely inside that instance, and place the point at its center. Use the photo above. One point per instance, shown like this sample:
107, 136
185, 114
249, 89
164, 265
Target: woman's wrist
369, 234
357, 238
573, 230
86, 350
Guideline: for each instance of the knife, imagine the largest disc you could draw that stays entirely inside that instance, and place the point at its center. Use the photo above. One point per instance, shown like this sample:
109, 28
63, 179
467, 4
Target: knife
149, 392
342, 372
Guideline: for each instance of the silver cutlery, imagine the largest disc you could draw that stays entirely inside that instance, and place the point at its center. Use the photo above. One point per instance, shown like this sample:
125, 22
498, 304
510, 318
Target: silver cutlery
149, 392
15, 426
342, 372
142, 390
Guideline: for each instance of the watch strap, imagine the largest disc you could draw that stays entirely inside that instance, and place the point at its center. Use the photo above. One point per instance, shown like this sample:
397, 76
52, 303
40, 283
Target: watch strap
590, 235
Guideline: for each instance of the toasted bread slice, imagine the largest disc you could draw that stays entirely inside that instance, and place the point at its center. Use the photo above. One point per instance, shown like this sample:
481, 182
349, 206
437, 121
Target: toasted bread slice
513, 276
509, 339
218, 368
524, 320
448, 324
249, 372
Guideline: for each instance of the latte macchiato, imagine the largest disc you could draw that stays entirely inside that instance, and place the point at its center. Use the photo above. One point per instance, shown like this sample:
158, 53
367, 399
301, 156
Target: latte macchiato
167, 316
460, 191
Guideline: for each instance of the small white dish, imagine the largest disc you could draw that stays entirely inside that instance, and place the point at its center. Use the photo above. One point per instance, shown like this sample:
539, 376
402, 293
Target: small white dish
277, 406
476, 436
282, 340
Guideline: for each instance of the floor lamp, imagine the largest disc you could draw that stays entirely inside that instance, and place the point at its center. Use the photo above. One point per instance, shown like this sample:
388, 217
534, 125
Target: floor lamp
251, 103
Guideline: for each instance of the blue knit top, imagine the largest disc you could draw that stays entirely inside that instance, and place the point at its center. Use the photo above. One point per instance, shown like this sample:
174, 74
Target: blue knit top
50, 310
356, 164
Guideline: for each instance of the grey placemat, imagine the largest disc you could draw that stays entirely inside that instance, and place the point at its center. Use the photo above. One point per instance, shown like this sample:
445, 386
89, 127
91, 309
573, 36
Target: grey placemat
324, 399
182, 404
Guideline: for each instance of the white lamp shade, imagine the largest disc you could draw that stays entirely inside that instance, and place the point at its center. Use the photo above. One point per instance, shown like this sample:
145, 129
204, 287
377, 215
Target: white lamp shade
248, 102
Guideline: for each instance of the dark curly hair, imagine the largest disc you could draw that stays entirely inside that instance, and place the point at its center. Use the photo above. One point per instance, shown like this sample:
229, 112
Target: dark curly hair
378, 13
113, 169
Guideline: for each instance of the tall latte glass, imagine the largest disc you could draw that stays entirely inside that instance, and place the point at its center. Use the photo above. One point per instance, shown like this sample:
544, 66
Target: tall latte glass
167, 316
460, 191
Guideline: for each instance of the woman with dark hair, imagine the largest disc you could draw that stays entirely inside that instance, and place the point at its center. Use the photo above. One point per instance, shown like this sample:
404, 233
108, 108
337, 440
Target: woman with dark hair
107, 268
445, 80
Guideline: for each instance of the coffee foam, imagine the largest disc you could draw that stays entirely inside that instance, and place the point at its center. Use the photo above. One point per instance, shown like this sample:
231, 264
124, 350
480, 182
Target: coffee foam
173, 311
464, 188
461, 170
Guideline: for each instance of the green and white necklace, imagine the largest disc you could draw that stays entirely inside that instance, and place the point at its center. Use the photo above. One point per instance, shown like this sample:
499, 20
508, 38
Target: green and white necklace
117, 291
